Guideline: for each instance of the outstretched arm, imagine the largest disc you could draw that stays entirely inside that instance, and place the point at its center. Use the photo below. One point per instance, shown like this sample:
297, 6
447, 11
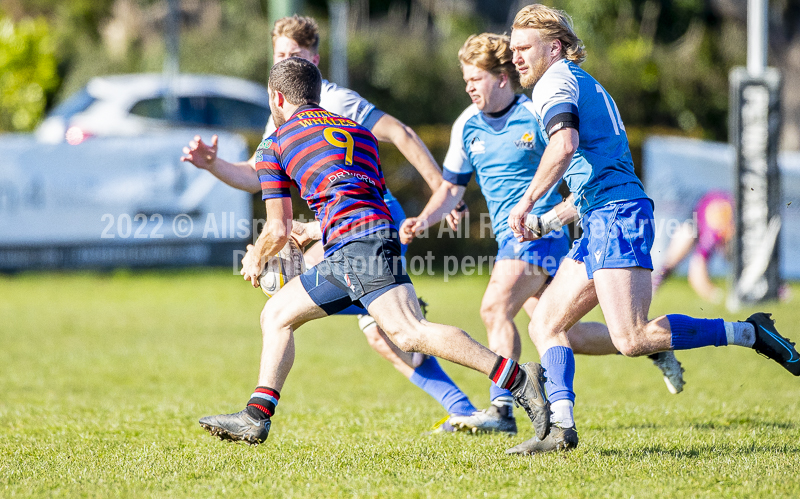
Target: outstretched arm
241, 175
390, 129
442, 202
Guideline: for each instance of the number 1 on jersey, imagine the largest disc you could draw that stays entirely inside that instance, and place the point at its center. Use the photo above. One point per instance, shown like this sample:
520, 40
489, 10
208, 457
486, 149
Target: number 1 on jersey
612, 113
347, 143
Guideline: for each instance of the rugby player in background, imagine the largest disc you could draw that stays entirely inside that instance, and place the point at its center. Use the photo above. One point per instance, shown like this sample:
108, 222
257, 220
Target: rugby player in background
713, 232
298, 36
334, 163
498, 139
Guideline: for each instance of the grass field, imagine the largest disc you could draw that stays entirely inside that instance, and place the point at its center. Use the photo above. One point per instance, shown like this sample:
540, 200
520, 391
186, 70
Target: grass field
103, 378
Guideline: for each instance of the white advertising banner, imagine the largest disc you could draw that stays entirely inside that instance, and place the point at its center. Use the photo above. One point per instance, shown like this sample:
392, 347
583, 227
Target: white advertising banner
110, 202
679, 171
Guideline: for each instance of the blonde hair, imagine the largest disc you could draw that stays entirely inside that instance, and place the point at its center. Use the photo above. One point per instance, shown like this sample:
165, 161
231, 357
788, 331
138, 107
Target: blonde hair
552, 24
303, 30
490, 52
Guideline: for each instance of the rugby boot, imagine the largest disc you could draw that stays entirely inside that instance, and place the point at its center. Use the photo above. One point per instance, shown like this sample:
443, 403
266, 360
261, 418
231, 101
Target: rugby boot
239, 426
772, 345
530, 396
671, 368
494, 419
558, 439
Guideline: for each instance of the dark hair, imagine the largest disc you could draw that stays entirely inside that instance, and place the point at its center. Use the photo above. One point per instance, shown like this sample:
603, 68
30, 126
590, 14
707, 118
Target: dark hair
298, 80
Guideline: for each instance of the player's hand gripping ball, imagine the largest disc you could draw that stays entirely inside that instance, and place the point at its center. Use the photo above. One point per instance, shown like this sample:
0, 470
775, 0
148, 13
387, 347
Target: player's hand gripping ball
282, 268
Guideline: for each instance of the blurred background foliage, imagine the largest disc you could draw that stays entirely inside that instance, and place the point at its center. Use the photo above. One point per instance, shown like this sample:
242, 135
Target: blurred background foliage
665, 62
27, 72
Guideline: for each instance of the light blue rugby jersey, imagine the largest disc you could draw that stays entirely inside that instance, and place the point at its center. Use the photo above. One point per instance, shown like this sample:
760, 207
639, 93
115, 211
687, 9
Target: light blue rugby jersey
504, 152
601, 172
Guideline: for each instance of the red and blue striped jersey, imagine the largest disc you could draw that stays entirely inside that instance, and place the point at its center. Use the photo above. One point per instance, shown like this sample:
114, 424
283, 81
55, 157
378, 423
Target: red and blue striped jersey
334, 163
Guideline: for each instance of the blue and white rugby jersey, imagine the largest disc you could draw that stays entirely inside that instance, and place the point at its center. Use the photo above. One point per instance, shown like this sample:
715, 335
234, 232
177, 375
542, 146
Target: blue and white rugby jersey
344, 102
601, 172
504, 152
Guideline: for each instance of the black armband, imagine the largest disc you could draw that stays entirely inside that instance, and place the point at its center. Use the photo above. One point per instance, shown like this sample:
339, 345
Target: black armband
562, 120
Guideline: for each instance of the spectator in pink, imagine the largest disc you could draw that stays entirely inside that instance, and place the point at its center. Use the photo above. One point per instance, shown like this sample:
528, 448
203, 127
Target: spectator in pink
714, 230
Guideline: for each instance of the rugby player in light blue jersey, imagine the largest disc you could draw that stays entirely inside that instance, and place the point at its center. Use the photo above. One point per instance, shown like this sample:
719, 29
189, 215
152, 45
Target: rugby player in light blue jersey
498, 139
610, 264
298, 36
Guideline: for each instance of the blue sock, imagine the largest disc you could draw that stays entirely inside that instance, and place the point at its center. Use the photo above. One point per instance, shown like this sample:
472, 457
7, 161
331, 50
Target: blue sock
435, 382
559, 365
688, 332
495, 392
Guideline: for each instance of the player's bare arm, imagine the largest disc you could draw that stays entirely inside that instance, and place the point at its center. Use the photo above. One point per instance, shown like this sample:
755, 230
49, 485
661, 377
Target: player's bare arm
701, 282
390, 129
442, 202
566, 211
555, 161
240, 175
274, 236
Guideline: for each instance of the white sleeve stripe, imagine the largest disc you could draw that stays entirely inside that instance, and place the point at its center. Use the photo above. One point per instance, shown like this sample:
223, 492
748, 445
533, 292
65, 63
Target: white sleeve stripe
456, 159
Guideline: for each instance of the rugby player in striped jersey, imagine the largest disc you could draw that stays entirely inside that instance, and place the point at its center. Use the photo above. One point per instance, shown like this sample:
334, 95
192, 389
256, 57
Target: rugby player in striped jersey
334, 163
298, 36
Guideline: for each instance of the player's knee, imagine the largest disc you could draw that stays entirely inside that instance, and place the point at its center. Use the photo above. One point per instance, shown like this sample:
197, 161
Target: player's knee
406, 339
538, 328
271, 317
627, 345
489, 313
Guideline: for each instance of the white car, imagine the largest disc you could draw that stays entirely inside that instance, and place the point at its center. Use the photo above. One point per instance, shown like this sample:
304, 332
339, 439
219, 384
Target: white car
127, 105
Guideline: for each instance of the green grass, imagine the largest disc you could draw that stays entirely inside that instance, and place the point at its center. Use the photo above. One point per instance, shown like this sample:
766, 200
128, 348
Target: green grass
103, 378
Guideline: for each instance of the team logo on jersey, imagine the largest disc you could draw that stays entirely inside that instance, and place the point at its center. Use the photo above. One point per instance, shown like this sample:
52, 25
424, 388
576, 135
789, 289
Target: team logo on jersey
265, 144
525, 142
349, 283
477, 146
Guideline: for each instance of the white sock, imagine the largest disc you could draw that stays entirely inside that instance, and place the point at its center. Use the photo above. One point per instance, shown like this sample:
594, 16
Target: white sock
740, 333
562, 413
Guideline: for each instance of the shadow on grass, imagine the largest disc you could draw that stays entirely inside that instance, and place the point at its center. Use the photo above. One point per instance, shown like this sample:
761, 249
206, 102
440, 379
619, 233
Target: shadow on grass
701, 451
700, 425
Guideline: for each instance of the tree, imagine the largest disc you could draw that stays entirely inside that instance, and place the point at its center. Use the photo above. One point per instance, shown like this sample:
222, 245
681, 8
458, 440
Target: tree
27, 72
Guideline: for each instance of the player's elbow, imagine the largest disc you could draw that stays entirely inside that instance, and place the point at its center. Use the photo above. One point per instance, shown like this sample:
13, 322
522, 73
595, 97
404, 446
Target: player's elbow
402, 134
564, 142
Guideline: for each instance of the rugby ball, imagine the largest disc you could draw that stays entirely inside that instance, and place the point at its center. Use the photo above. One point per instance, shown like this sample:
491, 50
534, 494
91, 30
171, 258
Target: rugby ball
282, 268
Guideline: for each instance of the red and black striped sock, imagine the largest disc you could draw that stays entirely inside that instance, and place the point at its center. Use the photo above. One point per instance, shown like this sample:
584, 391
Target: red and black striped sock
262, 402
504, 373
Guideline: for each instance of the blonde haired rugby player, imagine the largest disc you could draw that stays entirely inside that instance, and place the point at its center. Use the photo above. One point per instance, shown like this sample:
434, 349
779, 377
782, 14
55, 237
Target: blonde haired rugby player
610, 264
298, 36
498, 139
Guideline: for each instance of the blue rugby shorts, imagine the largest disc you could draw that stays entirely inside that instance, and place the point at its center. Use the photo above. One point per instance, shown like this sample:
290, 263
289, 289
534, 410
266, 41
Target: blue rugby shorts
616, 236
